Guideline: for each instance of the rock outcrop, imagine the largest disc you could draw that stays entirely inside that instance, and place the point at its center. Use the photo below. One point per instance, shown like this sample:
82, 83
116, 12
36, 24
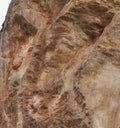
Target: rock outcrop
60, 64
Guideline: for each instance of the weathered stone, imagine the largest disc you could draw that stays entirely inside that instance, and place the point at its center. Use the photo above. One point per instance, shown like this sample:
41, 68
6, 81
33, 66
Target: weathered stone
60, 64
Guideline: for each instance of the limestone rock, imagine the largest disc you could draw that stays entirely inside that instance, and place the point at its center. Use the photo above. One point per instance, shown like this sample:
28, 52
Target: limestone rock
60, 64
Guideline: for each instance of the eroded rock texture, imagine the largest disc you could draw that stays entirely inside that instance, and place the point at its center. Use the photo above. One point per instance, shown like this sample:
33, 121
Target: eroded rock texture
60, 64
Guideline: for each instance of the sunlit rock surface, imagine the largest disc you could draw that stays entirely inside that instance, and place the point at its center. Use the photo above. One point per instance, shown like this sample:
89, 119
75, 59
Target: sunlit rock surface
60, 64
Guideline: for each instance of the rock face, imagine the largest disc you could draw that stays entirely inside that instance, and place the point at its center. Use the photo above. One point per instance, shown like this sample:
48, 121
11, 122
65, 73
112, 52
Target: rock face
60, 64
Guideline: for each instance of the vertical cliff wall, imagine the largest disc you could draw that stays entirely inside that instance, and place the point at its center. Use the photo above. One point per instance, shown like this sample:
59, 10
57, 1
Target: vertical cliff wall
60, 64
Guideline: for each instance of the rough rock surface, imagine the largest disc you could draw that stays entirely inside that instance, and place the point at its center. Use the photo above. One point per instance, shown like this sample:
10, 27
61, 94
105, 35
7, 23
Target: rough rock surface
60, 64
